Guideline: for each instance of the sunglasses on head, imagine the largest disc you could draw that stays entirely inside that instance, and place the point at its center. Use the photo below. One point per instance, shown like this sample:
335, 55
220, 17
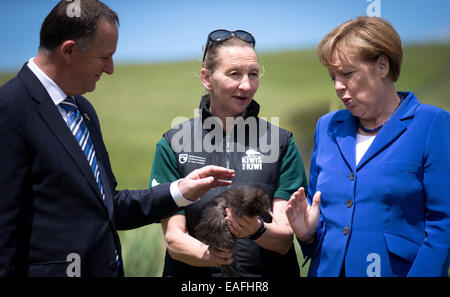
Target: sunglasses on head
221, 35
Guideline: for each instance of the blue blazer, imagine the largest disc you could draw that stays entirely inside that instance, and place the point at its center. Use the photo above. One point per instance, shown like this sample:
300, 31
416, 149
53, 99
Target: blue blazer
50, 203
389, 215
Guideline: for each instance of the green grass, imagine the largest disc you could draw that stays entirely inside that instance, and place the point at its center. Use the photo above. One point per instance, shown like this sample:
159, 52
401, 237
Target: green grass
137, 104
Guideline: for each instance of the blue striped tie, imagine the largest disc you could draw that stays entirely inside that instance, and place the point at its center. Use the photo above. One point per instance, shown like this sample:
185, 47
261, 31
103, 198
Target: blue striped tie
82, 136
81, 133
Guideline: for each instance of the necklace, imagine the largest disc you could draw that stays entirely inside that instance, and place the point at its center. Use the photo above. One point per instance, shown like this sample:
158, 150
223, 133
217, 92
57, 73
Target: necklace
360, 126
374, 130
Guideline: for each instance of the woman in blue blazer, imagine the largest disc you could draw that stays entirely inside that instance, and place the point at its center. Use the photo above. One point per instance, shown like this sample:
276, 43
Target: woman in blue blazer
379, 170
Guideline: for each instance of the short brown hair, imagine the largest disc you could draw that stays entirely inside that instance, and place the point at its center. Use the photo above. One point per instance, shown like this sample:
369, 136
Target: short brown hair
211, 59
59, 26
366, 38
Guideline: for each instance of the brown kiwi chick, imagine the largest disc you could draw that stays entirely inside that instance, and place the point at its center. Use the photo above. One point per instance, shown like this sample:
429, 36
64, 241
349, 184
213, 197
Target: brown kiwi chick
248, 201
243, 201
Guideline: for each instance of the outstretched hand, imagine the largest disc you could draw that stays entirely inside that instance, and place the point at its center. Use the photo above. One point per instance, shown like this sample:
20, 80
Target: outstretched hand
303, 218
201, 180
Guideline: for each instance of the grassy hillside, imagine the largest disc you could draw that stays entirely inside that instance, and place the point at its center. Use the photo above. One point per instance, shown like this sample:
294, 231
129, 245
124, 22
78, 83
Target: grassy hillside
137, 104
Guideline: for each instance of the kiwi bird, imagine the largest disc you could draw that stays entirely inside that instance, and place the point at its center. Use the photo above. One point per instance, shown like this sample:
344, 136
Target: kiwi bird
242, 201
248, 201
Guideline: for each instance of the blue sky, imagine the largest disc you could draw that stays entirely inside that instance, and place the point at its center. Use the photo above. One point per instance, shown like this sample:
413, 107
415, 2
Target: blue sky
172, 30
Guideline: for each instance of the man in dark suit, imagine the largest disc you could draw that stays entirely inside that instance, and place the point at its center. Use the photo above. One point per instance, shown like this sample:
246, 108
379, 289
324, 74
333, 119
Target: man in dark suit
59, 207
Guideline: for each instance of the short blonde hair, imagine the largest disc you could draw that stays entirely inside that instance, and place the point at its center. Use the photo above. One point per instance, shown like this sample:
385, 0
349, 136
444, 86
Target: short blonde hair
366, 38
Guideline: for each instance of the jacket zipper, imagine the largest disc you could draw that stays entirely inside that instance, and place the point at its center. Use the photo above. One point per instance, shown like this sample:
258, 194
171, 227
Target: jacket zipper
227, 151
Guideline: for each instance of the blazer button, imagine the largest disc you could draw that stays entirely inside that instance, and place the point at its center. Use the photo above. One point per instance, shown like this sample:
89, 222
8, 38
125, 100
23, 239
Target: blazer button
352, 176
345, 230
349, 203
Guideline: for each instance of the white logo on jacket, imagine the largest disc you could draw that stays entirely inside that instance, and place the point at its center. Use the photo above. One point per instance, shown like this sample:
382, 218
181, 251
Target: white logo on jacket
252, 161
183, 158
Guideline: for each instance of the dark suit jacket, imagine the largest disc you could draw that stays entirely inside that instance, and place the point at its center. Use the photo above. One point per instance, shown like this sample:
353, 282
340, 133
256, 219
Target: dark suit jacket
50, 203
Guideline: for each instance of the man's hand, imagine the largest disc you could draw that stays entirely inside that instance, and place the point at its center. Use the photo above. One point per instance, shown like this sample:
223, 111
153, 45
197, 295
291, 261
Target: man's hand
200, 181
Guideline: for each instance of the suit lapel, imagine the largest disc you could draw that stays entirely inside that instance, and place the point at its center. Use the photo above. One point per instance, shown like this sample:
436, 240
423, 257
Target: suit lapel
384, 138
107, 190
393, 128
55, 122
51, 116
345, 132
95, 134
